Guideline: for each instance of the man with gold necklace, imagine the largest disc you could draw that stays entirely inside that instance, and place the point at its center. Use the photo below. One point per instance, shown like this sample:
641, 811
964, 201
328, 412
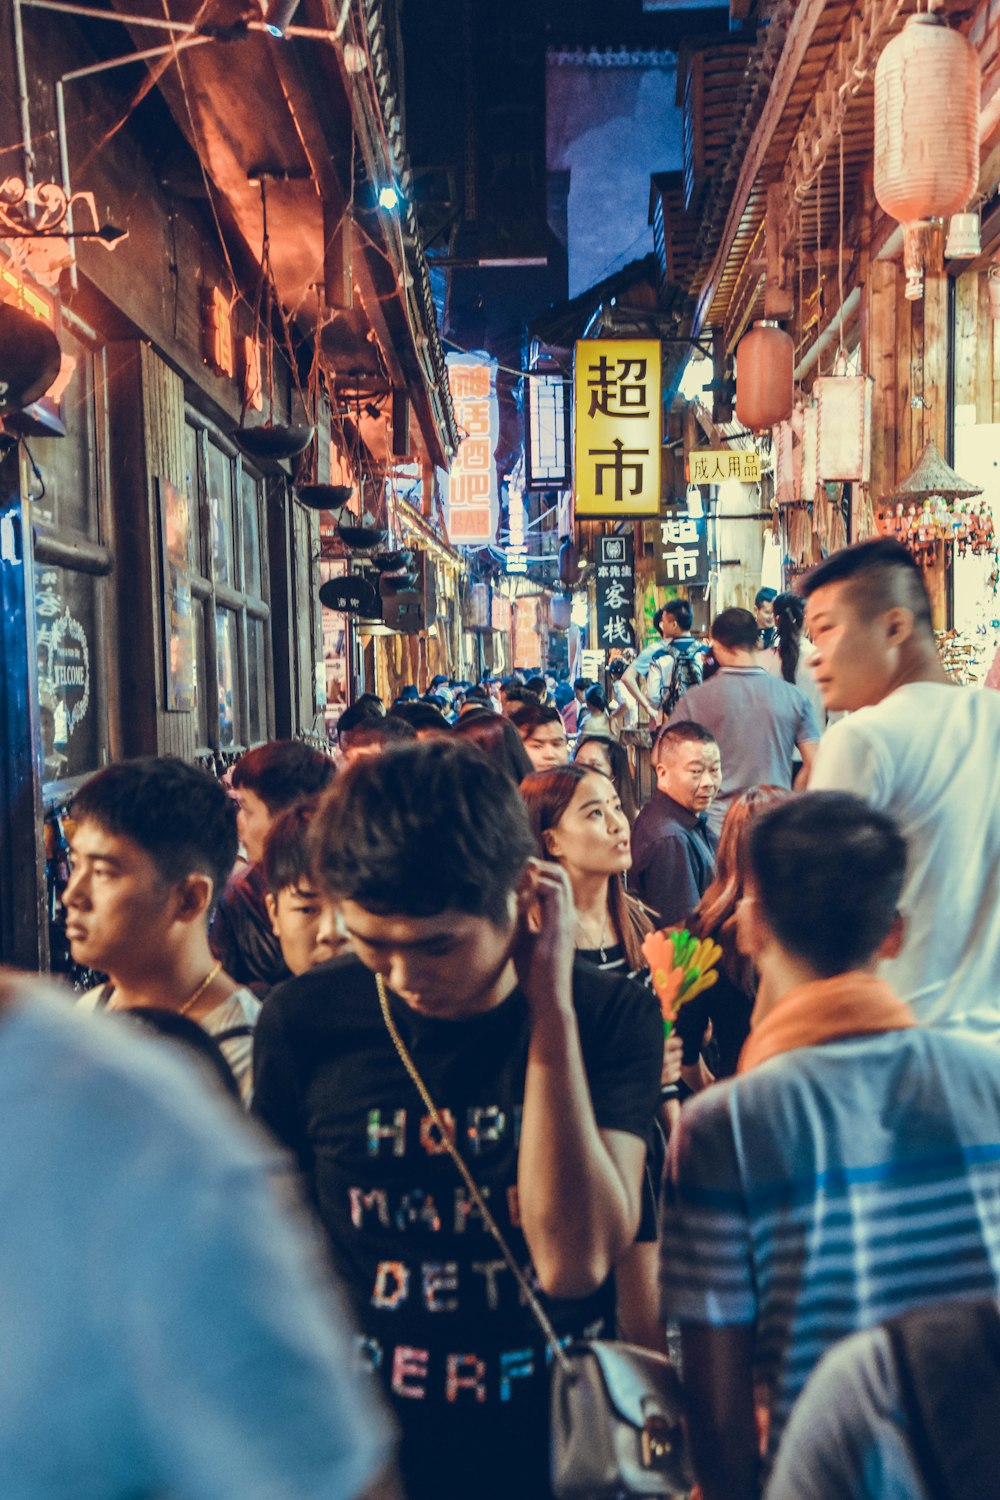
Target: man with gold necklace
152, 845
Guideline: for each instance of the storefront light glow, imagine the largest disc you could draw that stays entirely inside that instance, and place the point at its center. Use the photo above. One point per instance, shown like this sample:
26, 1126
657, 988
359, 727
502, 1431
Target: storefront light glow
581, 612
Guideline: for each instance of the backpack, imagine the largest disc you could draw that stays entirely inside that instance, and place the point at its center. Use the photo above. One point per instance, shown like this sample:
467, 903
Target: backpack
686, 673
947, 1359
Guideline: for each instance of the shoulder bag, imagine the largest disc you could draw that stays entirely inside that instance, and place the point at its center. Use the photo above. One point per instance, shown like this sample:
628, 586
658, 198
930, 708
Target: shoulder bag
615, 1409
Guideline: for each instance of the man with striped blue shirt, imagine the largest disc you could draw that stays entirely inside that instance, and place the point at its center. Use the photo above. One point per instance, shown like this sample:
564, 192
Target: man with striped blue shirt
849, 1172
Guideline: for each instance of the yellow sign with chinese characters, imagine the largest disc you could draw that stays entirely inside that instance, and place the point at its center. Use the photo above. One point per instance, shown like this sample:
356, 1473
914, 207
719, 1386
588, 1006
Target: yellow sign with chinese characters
616, 469
714, 465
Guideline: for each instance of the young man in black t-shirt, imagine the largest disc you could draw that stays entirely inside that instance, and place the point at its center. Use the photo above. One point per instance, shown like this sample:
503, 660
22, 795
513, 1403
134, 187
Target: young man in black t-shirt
548, 1075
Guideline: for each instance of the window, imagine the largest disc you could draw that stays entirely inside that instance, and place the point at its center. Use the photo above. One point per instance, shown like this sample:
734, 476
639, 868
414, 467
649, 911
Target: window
220, 508
71, 566
229, 587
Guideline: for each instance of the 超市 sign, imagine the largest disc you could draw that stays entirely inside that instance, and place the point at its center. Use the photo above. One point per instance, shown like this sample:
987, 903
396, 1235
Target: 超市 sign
616, 470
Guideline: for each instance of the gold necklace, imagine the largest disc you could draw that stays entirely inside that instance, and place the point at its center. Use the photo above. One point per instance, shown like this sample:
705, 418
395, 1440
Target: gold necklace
191, 999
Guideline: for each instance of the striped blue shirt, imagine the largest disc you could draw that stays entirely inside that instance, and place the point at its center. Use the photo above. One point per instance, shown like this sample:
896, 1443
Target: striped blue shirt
830, 1188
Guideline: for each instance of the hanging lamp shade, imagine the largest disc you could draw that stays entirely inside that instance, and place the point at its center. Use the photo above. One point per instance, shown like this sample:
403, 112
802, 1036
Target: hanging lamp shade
272, 440
930, 475
764, 381
562, 612
927, 89
29, 358
331, 497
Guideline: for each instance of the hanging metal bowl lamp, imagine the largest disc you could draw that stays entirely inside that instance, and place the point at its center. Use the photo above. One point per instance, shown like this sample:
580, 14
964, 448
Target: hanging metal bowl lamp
29, 358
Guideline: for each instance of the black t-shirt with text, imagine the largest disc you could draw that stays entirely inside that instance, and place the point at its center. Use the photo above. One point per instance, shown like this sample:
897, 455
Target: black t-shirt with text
440, 1314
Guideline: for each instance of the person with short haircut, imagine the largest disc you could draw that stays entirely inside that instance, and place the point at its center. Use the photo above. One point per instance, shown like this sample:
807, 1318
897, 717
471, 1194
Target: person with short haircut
562, 693
759, 721
547, 1073
152, 843
849, 1172
476, 697
763, 603
497, 738
169, 1329
365, 708
375, 735
926, 751
427, 721
673, 847
536, 684
303, 923
727, 1006
543, 734
265, 782
658, 662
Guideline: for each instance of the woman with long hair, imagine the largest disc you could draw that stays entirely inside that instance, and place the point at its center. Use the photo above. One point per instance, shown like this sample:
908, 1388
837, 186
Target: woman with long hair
601, 754
498, 738
791, 654
597, 720
727, 1005
579, 822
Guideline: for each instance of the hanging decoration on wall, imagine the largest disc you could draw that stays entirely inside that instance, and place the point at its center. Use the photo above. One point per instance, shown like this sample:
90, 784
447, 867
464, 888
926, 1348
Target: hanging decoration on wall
271, 440
927, 91
934, 504
844, 426
37, 224
764, 376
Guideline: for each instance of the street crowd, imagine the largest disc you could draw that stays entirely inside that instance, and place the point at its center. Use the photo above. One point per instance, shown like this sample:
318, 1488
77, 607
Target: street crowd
447, 939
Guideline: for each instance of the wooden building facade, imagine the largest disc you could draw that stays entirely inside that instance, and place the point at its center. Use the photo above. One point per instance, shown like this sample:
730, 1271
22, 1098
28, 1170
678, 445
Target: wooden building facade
785, 225
160, 584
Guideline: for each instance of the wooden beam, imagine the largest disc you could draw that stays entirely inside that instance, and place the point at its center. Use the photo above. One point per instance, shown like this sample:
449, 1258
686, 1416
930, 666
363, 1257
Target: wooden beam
800, 32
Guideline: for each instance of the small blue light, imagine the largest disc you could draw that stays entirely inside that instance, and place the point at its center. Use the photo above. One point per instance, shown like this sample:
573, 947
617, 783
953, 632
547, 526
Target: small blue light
388, 197
274, 31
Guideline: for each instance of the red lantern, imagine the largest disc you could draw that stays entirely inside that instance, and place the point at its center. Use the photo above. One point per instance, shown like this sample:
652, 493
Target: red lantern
927, 86
569, 565
764, 380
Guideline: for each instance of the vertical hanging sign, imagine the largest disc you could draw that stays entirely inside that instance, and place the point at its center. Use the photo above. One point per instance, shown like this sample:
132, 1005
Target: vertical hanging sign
469, 489
615, 593
617, 415
684, 549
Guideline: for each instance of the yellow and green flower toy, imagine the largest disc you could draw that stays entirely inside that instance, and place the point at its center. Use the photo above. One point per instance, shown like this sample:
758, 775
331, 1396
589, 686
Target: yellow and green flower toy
681, 967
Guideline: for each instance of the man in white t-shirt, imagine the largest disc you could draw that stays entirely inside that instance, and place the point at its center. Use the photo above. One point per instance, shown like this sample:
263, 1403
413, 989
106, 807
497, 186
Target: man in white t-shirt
926, 751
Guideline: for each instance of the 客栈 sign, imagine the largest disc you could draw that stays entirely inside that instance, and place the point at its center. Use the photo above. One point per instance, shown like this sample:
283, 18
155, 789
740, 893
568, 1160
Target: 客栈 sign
469, 489
714, 465
615, 592
617, 420
683, 549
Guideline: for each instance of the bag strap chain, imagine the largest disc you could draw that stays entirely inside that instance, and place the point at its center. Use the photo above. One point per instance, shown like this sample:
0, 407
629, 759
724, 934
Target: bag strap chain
527, 1291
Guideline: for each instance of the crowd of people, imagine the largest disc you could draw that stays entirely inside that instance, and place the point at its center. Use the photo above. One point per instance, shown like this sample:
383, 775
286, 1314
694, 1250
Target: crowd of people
440, 940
